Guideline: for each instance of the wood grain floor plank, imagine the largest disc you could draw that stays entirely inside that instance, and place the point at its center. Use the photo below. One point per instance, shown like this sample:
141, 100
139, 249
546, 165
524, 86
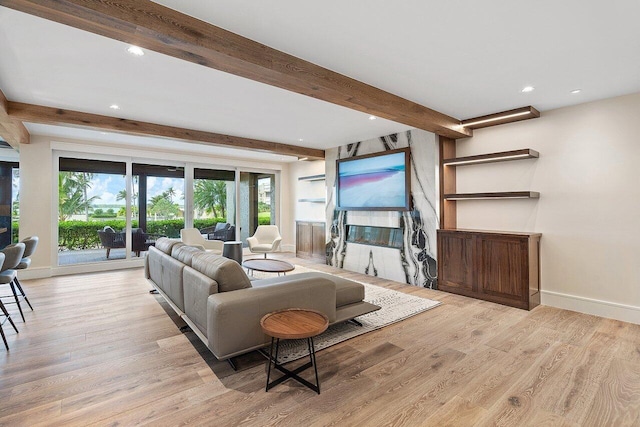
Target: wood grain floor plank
523, 398
617, 402
455, 412
100, 350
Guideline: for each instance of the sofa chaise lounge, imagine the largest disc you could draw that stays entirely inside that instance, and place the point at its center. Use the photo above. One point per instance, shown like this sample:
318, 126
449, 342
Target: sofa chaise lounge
223, 306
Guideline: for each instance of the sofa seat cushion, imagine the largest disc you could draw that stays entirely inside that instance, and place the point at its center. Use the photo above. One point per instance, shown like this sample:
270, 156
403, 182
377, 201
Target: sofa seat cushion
347, 291
184, 253
226, 272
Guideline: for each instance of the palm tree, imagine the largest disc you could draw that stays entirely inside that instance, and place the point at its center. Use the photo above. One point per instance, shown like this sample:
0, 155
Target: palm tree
210, 196
161, 205
122, 195
170, 193
84, 182
72, 194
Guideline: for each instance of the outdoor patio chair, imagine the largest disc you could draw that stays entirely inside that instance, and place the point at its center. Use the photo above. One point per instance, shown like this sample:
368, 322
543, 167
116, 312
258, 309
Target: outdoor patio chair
110, 239
141, 241
223, 231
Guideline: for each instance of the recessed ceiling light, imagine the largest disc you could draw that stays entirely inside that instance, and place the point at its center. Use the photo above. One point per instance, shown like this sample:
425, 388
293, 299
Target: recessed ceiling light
103, 133
372, 117
135, 50
576, 91
300, 139
527, 89
114, 106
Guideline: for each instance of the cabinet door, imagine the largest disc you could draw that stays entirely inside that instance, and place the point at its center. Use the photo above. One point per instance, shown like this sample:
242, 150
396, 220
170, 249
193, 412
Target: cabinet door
303, 239
455, 267
318, 244
503, 267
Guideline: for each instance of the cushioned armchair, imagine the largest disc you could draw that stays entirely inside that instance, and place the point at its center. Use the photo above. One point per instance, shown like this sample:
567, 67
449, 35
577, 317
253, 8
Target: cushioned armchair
140, 241
223, 231
266, 239
192, 237
110, 239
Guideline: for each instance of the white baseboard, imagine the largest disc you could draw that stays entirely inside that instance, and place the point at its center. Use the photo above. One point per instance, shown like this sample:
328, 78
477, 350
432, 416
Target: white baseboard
44, 272
288, 248
34, 273
611, 310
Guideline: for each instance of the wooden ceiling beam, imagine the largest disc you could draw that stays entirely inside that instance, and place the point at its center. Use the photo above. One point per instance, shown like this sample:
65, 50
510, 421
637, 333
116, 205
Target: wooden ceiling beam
57, 116
11, 130
167, 31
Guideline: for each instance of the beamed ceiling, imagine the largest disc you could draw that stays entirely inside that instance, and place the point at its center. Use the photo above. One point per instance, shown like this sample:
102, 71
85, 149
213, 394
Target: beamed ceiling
280, 80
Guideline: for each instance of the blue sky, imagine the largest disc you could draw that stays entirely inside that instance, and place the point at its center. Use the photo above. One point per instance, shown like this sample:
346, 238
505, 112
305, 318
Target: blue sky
108, 186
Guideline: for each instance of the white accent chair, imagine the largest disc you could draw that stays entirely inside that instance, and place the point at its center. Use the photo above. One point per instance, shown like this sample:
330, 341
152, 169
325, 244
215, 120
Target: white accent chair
192, 237
266, 239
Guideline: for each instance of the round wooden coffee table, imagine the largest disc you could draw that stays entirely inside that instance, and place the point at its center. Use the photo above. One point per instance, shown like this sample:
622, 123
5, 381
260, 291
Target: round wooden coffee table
267, 266
293, 323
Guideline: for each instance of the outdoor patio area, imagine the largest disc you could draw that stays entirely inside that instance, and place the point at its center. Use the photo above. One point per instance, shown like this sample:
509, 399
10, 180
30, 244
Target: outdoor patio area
92, 255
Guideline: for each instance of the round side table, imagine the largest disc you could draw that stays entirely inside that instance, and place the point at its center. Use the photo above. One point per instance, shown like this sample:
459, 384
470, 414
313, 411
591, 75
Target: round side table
293, 323
232, 250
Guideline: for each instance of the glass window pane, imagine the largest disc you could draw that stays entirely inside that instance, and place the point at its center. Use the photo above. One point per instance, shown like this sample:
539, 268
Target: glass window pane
214, 204
257, 202
159, 192
91, 218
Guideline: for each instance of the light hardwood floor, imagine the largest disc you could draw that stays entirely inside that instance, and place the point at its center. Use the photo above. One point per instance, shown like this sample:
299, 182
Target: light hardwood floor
99, 349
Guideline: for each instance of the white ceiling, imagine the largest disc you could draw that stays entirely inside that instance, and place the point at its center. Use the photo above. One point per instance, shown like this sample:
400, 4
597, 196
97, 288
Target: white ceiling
462, 58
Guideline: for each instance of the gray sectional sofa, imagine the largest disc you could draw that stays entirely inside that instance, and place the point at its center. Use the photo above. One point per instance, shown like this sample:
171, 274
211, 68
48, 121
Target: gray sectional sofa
223, 306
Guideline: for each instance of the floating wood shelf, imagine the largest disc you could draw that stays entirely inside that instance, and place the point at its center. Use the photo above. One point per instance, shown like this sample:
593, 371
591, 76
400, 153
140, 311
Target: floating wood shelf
312, 178
503, 156
504, 117
496, 195
321, 200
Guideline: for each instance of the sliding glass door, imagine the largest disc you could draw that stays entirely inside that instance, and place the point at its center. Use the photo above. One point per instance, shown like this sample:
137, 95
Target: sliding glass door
91, 215
106, 207
257, 202
9, 181
214, 207
158, 191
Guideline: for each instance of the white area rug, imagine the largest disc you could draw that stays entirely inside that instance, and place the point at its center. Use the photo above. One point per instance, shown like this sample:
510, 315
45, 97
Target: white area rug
396, 306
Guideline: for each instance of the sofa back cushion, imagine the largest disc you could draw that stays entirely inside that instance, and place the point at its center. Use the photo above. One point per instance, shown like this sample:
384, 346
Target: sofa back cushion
226, 272
197, 288
165, 244
184, 253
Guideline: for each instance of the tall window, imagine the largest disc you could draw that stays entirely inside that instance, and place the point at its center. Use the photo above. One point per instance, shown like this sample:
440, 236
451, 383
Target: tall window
214, 194
91, 214
159, 191
8, 194
257, 202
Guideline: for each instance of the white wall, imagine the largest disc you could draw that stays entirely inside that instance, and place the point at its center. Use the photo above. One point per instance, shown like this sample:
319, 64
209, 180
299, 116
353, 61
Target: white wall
588, 176
38, 206
302, 211
36, 201
308, 211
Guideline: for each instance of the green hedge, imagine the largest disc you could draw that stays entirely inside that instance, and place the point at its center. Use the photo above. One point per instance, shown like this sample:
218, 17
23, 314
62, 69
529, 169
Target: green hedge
84, 234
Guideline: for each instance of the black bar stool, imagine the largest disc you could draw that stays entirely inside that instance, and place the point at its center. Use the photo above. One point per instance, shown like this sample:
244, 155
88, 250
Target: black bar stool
8, 273
5, 314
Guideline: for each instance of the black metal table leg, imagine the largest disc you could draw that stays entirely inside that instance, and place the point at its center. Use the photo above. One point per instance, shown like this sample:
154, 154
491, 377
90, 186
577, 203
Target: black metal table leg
293, 374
